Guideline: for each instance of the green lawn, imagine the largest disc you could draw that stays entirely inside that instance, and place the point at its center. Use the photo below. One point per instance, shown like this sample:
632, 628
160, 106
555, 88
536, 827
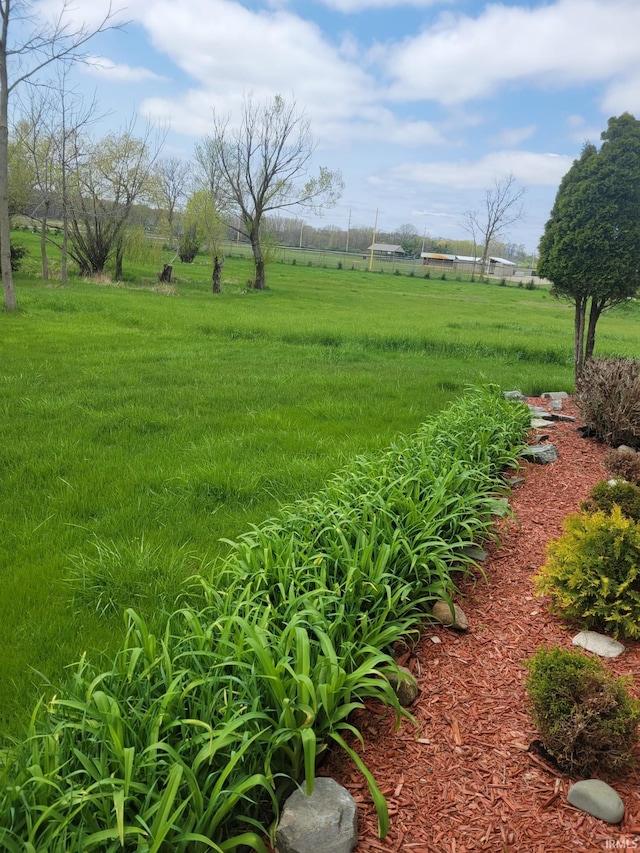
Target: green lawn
140, 428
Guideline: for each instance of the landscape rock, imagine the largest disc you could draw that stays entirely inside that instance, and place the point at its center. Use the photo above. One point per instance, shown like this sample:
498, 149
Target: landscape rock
568, 419
450, 617
598, 799
555, 405
554, 395
325, 822
475, 552
542, 454
514, 395
541, 423
599, 644
539, 412
405, 686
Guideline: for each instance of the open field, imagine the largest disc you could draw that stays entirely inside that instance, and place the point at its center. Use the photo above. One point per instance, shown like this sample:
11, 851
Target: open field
140, 428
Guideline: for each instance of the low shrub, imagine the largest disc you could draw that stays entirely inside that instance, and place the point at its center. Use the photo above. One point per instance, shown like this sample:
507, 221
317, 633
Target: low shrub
608, 397
605, 495
18, 253
592, 572
623, 463
586, 717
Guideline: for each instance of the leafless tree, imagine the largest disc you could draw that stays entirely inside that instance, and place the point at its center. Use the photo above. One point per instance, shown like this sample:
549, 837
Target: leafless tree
46, 42
172, 176
502, 207
262, 166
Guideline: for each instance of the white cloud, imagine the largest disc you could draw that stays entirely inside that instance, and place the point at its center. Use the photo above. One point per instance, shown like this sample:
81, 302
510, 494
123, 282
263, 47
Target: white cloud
511, 137
529, 169
349, 6
99, 66
563, 43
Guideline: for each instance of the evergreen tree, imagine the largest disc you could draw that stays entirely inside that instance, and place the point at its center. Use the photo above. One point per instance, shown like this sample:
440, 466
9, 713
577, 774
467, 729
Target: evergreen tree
590, 246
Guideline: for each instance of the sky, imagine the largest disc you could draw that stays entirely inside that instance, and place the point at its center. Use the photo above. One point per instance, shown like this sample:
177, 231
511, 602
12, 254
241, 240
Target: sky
422, 105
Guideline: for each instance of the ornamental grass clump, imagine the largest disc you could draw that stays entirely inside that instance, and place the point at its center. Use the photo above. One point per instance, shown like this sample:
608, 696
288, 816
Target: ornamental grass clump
587, 719
607, 395
189, 741
592, 572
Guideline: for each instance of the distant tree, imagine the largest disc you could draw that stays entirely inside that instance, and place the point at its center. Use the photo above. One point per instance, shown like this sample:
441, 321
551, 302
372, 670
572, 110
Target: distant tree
409, 239
262, 166
36, 136
589, 249
104, 188
38, 45
502, 207
172, 177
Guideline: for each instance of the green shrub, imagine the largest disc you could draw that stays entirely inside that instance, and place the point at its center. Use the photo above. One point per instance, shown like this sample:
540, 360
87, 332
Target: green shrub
587, 719
605, 495
592, 572
17, 254
623, 463
608, 398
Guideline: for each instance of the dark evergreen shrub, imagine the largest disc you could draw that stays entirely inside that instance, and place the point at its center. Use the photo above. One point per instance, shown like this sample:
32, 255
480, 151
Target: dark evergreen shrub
623, 463
587, 719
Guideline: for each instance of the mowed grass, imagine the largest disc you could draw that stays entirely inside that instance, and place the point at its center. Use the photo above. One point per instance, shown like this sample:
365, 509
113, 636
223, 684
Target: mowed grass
140, 428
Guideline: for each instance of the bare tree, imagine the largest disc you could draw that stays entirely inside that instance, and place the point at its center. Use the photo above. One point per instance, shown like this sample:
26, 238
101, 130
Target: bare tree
172, 176
262, 166
45, 43
502, 207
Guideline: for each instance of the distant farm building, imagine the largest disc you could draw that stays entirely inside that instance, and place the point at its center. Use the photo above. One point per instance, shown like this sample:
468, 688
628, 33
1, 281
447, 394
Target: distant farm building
386, 250
466, 263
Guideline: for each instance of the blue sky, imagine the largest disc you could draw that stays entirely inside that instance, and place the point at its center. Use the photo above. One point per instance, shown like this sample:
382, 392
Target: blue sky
422, 105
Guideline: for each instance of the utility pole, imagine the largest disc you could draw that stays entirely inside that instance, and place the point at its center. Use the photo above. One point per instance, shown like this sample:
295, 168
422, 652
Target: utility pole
373, 241
348, 229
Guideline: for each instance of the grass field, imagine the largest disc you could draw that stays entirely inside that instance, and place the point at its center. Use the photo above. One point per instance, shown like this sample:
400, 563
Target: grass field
140, 428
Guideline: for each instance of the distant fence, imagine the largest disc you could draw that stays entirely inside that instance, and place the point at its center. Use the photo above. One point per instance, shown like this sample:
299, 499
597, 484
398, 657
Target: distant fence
300, 256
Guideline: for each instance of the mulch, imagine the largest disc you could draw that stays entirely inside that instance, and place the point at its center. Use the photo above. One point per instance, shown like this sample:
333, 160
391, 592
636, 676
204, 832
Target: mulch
467, 777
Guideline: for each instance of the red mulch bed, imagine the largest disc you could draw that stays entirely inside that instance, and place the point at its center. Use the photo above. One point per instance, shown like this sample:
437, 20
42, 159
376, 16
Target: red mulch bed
465, 778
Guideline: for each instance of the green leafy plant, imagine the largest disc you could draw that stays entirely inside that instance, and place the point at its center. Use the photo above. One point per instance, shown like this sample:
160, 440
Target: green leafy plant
607, 395
587, 719
605, 495
592, 572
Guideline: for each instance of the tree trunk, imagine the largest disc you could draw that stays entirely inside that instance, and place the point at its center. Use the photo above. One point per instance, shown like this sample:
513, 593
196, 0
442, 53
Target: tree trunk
578, 337
483, 260
217, 274
258, 259
43, 243
10, 302
166, 275
595, 311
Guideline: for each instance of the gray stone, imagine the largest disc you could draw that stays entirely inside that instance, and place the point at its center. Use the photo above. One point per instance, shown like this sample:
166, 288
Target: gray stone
598, 799
475, 552
567, 419
541, 454
599, 644
554, 395
555, 405
514, 395
625, 447
405, 686
539, 412
542, 423
451, 616
325, 822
